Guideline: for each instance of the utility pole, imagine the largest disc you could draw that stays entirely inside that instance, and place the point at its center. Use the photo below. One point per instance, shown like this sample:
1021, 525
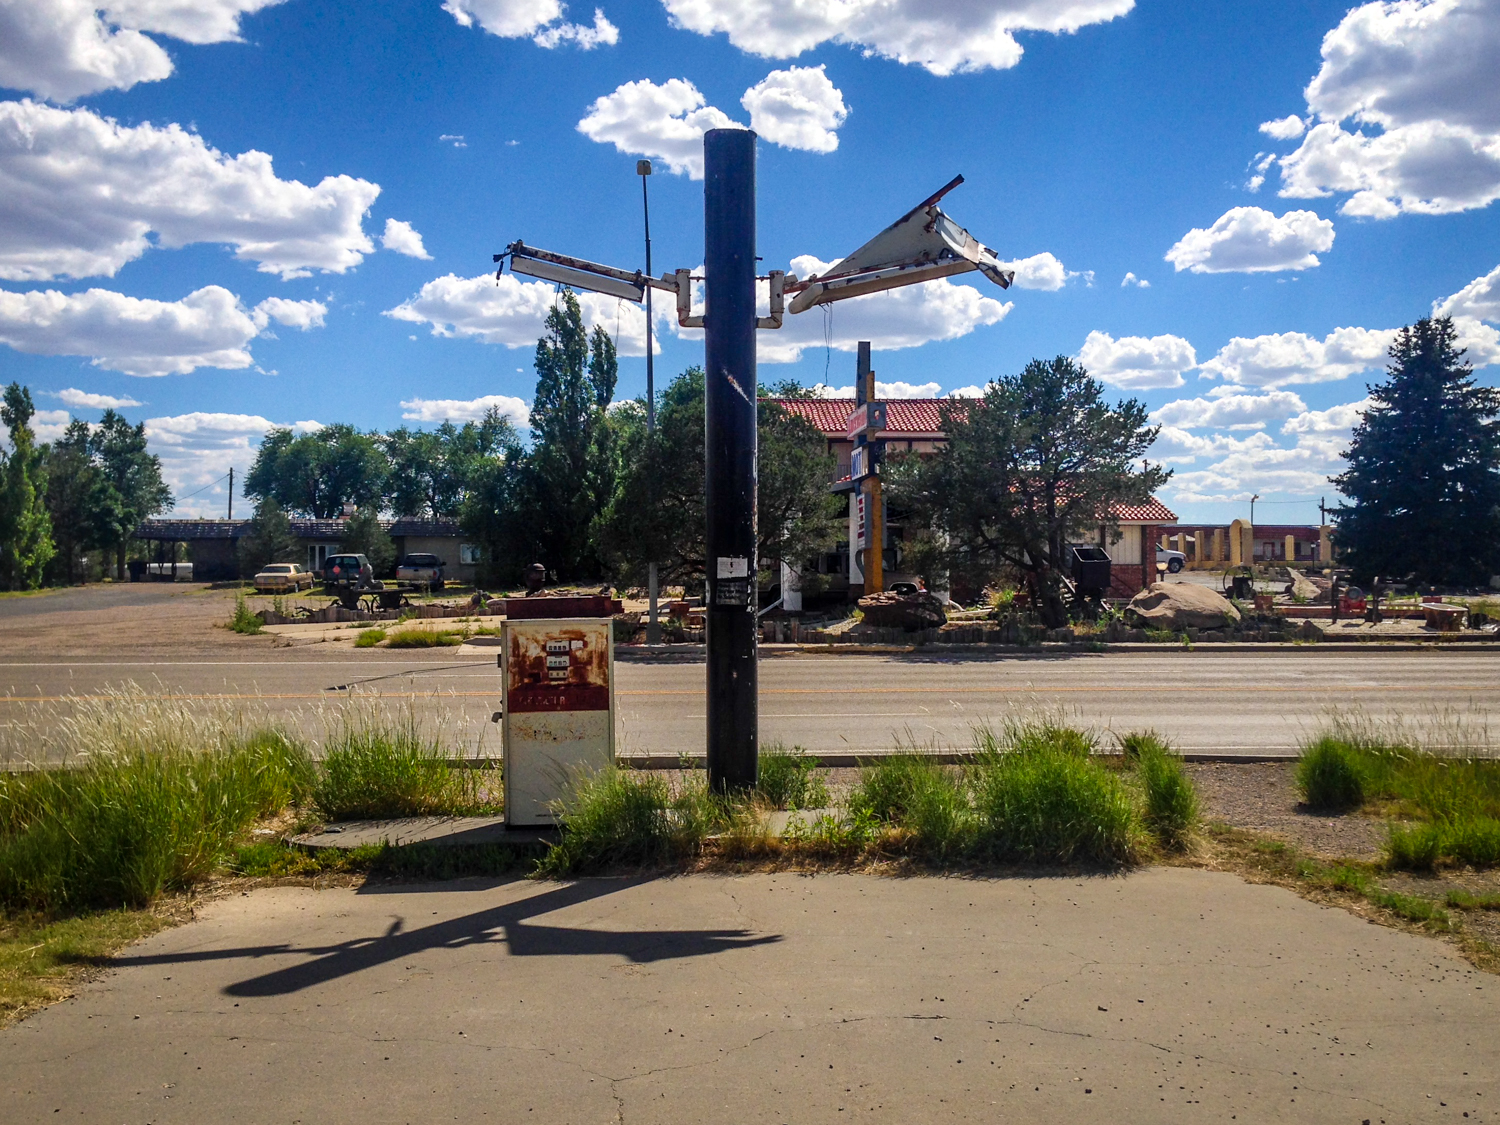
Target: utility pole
1253, 499
874, 529
730, 455
231, 493
653, 620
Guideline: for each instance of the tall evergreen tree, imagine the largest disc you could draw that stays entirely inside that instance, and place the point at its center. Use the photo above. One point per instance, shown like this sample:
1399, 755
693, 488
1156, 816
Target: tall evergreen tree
363, 535
569, 474
134, 490
25, 529
1423, 480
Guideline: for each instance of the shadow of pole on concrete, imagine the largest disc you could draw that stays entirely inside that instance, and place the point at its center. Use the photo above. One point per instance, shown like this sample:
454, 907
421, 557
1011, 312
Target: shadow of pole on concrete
507, 924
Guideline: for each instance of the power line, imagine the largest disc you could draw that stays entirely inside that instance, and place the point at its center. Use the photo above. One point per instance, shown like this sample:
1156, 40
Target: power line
205, 488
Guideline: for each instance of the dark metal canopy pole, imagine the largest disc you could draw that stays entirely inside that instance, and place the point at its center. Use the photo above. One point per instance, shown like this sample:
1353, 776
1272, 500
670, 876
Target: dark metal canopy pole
730, 454
653, 620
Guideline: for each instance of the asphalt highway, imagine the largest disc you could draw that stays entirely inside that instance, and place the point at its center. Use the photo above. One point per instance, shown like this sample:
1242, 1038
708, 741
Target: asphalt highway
1238, 702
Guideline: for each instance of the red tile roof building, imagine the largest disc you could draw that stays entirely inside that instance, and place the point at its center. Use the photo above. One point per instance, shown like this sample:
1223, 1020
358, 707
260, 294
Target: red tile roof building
917, 424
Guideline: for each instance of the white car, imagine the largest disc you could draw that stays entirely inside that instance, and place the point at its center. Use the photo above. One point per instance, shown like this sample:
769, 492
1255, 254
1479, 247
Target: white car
283, 578
1175, 560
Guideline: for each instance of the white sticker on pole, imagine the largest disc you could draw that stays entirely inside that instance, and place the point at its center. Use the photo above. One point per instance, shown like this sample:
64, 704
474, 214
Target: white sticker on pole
733, 566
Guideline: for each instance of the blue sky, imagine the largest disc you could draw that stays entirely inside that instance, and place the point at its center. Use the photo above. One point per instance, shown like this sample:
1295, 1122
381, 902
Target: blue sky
241, 213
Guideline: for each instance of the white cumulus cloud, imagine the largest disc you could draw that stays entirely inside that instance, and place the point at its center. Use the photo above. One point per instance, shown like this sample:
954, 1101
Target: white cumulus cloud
1421, 74
1339, 420
72, 396
67, 49
882, 390
1137, 362
1040, 271
1285, 128
1285, 358
1252, 240
797, 108
465, 410
80, 195
198, 448
1231, 412
665, 122
400, 237
540, 20
512, 312
1479, 299
943, 38
207, 328
1130, 279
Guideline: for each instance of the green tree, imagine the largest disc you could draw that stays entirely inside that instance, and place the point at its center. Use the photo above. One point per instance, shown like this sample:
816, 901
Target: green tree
364, 536
25, 528
133, 488
268, 539
316, 474
78, 500
1029, 468
568, 476
432, 472
656, 513
1423, 481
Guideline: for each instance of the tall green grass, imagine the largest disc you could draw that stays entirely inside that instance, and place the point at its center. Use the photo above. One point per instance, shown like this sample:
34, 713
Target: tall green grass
1171, 802
624, 818
151, 801
789, 779
1036, 795
378, 766
1440, 773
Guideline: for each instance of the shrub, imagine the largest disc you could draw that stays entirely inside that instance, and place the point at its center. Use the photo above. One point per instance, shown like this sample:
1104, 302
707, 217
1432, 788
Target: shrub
1050, 804
788, 781
1171, 801
243, 620
1331, 775
891, 788
369, 638
619, 818
119, 829
376, 768
424, 638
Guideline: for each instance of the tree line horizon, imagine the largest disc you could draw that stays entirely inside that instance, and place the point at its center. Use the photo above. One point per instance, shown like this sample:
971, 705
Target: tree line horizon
1030, 467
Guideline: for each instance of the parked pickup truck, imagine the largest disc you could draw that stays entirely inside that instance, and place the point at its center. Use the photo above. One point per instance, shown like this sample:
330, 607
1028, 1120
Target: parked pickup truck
283, 578
421, 570
1175, 560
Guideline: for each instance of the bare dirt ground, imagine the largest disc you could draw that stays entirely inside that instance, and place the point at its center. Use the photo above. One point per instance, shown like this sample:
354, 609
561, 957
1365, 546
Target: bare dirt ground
146, 620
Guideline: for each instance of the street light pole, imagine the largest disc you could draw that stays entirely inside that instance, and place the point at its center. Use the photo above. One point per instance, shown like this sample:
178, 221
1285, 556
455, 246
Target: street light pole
730, 455
653, 619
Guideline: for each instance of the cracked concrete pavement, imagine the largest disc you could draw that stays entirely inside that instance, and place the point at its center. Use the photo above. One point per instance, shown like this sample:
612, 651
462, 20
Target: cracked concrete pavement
1166, 995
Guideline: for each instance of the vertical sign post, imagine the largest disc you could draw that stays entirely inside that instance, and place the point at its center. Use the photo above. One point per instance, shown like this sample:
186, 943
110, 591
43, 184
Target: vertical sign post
874, 521
730, 455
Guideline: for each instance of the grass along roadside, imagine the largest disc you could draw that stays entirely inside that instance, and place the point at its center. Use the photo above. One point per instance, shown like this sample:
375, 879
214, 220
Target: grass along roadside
1443, 808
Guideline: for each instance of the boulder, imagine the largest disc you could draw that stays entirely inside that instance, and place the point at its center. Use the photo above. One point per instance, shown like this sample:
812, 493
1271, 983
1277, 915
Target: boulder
1179, 605
911, 612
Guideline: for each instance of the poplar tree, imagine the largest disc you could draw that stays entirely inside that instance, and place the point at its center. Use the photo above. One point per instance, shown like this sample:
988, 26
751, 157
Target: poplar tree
25, 528
1423, 481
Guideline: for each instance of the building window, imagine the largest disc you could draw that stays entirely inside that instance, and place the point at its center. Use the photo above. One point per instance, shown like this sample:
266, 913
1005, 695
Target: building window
468, 554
